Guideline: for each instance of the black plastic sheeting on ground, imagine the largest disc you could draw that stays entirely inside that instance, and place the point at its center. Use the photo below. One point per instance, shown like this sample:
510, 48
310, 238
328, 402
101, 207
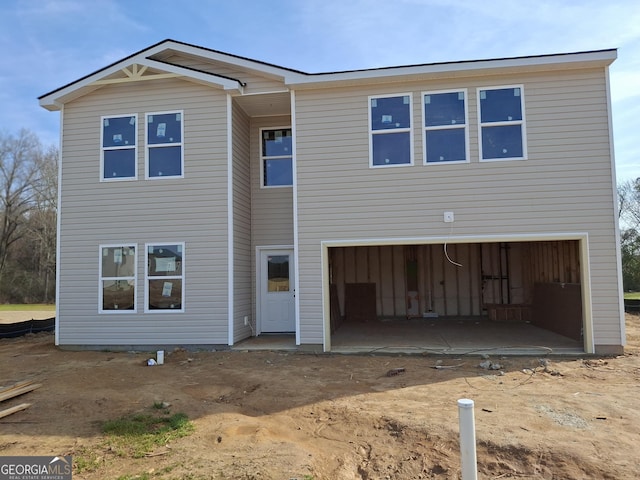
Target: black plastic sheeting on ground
11, 330
632, 306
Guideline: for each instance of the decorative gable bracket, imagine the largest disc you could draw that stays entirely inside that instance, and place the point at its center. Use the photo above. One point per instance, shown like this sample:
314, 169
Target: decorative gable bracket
134, 69
135, 73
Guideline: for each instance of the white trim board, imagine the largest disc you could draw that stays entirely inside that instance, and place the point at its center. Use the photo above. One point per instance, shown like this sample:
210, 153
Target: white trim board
230, 225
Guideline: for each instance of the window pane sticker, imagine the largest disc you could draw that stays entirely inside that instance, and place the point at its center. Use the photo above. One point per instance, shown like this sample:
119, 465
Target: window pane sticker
164, 128
442, 109
390, 113
501, 105
119, 132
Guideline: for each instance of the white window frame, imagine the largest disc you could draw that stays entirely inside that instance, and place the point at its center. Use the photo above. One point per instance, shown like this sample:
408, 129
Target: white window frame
147, 277
263, 157
408, 130
522, 124
446, 127
134, 278
124, 147
160, 145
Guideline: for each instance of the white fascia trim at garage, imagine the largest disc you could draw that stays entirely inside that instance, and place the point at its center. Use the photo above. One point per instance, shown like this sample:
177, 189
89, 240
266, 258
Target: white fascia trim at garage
582, 237
230, 251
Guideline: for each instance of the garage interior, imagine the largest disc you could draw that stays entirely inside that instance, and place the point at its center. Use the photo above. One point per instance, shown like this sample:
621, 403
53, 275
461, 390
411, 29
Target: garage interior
506, 298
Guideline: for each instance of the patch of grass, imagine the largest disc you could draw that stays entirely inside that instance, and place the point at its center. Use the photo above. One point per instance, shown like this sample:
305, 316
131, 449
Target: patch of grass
632, 295
143, 476
86, 460
139, 434
23, 307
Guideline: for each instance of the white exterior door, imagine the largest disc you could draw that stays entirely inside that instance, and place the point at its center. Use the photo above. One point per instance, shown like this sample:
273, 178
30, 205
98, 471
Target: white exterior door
277, 294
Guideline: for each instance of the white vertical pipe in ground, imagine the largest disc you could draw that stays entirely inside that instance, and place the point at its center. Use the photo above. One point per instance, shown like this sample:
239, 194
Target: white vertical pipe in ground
468, 458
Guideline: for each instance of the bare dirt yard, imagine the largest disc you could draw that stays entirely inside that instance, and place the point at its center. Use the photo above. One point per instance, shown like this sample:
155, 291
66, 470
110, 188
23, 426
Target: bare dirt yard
275, 415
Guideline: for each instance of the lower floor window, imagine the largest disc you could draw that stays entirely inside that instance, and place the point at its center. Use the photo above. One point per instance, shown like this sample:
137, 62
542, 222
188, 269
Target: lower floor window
117, 278
165, 277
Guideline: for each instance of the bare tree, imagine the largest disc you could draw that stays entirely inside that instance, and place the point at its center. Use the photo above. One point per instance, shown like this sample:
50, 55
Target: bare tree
28, 191
629, 218
42, 225
629, 202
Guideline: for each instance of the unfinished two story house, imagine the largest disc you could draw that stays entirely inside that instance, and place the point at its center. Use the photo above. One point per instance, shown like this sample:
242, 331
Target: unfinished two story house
211, 200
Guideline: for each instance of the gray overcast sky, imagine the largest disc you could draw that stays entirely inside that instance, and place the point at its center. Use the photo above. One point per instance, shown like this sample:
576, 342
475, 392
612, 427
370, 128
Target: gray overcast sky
49, 43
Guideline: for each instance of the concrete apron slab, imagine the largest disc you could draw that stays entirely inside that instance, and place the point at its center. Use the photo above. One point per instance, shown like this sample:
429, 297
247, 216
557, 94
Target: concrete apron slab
445, 336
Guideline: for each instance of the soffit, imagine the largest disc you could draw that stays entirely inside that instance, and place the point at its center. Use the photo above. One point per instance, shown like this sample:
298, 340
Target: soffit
265, 105
216, 66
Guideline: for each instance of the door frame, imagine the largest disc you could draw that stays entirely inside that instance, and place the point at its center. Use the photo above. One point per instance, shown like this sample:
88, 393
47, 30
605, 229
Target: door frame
258, 282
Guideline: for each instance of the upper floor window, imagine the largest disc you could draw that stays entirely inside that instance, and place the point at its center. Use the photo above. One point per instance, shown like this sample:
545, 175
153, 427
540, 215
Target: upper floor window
117, 278
165, 277
164, 145
276, 155
501, 123
118, 147
390, 130
446, 136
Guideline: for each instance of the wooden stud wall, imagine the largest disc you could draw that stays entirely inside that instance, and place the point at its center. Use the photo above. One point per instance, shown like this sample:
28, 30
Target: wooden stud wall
551, 262
491, 273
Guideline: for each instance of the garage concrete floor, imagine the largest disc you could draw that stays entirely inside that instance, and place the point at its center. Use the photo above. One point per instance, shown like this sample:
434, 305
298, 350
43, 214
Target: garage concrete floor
450, 336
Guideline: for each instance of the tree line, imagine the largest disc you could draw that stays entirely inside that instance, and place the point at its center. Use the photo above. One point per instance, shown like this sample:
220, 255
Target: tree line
28, 210
629, 218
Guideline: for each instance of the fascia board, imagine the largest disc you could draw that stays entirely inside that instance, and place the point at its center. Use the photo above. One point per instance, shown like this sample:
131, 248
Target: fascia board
203, 77
240, 62
569, 61
54, 100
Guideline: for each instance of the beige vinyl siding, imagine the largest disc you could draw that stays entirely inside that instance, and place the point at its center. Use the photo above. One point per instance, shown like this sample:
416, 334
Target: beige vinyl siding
191, 210
271, 208
564, 186
254, 83
242, 257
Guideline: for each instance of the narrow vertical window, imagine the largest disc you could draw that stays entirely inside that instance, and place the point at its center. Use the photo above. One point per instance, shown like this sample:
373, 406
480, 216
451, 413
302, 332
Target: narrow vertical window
446, 137
165, 277
277, 157
390, 131
118, 147
164, 135
502, 126
117, 278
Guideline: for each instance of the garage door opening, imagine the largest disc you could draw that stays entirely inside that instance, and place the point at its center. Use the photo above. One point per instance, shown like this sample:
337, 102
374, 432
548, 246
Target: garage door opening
501, 296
